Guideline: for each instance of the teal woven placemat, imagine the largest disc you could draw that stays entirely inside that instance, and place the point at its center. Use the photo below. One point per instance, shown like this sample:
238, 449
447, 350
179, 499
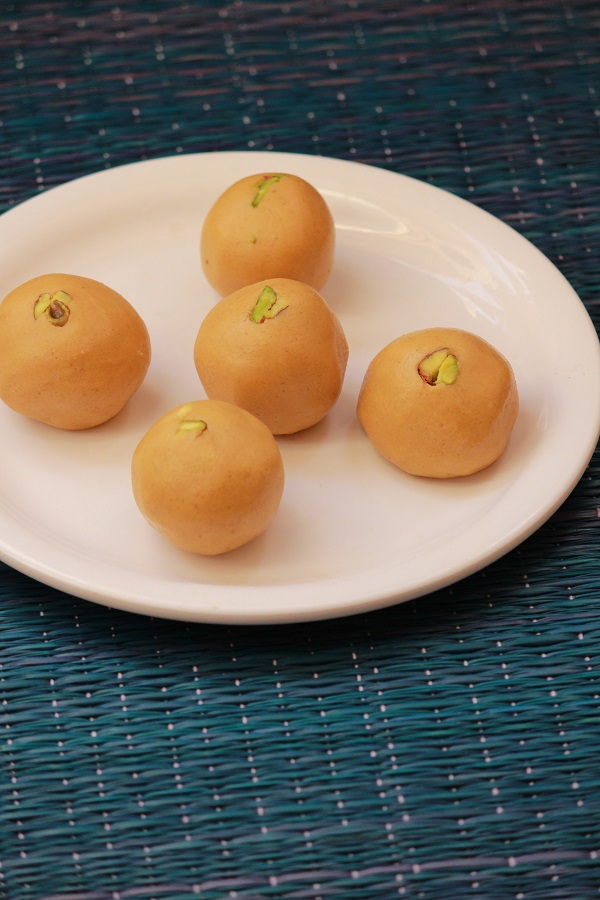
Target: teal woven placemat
445, 748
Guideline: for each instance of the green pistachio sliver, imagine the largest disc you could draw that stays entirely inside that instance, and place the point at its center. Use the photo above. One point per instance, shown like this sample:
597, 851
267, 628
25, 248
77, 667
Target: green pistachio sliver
448, 371
264, 186
41, 304
267, 306
439, 367
55, 307
193, 426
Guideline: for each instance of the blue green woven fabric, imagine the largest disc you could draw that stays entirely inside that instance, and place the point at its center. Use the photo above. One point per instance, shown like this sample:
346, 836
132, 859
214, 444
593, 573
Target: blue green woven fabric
443, 748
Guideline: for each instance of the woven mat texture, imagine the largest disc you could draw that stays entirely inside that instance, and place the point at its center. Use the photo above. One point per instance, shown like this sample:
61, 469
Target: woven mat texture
444, 748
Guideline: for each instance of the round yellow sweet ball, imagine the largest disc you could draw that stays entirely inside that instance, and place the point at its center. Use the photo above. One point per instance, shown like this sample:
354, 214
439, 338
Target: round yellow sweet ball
439, 402
269, 225
277, 349
72, 351
208, 476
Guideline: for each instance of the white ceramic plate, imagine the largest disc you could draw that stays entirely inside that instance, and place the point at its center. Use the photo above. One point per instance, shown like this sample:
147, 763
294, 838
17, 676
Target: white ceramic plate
352, 533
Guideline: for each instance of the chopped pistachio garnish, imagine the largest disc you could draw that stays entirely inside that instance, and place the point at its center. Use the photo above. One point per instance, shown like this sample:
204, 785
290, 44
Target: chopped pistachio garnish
267, 306
54, 306
193, 426
263, 186
439, 367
